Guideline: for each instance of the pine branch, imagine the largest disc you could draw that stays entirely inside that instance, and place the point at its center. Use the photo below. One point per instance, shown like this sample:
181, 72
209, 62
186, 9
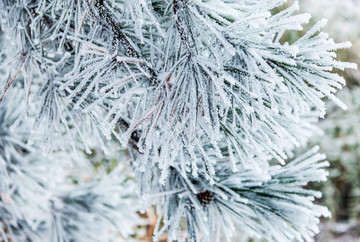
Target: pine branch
104, 15
202, 93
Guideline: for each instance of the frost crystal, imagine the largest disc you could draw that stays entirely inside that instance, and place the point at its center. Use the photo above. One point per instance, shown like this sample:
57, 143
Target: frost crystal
203, 93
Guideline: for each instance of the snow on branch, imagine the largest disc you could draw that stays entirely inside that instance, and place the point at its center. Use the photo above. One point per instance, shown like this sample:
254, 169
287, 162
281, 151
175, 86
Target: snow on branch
273, 205
202, 93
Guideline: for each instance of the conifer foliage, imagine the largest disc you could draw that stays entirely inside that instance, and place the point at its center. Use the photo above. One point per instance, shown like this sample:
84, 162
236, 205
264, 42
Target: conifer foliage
203, 93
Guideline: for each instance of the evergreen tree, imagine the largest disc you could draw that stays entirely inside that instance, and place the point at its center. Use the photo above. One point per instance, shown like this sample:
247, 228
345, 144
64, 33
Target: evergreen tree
206, 97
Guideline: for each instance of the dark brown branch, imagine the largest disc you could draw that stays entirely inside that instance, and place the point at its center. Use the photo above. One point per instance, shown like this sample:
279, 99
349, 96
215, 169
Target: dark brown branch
134, 137
109, 23
179, 5
14, 76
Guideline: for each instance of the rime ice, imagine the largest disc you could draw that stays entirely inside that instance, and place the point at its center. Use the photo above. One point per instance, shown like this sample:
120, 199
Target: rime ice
202, 93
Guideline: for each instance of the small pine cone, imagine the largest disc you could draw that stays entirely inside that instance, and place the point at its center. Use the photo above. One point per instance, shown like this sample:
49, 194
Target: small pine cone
205, 198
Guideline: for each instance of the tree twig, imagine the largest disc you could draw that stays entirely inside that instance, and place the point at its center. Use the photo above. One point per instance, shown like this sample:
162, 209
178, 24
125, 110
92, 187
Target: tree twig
14, 76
